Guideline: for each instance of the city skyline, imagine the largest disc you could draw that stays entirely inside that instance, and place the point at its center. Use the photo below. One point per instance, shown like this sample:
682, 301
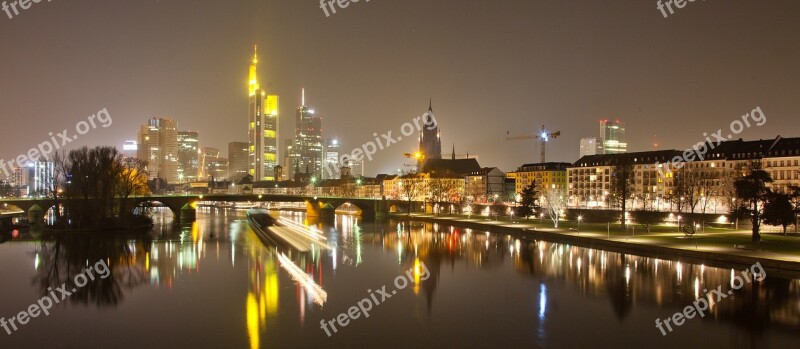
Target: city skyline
655, 98
628, 170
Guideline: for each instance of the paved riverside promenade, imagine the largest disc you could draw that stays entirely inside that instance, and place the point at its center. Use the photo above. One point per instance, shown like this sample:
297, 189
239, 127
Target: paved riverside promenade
721, 245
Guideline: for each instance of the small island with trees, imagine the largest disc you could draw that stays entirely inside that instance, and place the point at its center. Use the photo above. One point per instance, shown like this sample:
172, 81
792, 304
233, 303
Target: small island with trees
91, 188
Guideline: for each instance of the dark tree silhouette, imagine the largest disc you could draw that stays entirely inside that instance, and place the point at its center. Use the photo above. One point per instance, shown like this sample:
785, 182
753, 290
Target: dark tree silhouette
528, 203
779, 211
752, 192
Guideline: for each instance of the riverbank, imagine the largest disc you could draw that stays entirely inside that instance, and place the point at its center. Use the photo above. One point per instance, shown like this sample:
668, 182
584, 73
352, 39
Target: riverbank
715, 247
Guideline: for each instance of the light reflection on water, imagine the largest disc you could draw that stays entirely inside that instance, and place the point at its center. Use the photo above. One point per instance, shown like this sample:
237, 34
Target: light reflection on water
279, 301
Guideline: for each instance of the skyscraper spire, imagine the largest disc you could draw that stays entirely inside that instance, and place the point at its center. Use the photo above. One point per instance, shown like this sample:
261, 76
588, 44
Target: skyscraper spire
430, 105
303, 97
253, 77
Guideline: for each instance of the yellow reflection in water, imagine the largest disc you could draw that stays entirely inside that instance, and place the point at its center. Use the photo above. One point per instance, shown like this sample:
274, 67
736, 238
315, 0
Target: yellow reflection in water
262, 296
417, 268
253, 321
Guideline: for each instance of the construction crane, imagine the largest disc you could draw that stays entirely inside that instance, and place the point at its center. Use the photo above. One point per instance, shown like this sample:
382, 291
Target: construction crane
416, 155
543, 137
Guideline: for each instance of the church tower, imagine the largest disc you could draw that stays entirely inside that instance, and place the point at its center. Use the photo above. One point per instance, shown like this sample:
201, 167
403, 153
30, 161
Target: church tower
430, 141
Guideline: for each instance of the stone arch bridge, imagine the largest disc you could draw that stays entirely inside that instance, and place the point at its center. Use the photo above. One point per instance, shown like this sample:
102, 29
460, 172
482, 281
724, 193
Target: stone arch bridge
315, 206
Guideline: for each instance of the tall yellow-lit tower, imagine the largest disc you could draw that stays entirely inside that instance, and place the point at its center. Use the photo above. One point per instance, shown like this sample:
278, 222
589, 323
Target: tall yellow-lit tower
262, 127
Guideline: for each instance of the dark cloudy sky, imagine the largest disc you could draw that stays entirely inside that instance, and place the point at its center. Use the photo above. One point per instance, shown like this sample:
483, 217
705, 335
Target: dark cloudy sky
490, 66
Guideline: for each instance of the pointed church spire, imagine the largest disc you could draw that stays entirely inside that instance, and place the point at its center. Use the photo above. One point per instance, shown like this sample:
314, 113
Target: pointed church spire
454, 151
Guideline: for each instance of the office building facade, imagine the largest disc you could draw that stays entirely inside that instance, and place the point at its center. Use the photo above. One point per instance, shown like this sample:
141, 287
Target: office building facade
262, 127
308, 150
590, 146
158, 145
188, 156
238, 163
612, 136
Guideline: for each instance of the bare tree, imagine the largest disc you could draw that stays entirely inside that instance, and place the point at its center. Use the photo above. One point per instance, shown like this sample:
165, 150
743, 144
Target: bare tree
555, 201
54, 185
622, 181
726, 191
443, 190
92, 177
697, 186
411, 186
133, 181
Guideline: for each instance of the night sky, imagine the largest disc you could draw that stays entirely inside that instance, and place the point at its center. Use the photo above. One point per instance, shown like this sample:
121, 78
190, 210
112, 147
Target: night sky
489, 66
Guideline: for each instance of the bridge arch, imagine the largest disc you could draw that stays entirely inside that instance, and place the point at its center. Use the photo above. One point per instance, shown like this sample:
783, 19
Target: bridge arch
145, 203
14, 207
349, 208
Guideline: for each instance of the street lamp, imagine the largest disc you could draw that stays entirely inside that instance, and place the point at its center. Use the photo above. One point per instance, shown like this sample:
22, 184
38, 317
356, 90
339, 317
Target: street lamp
580, 218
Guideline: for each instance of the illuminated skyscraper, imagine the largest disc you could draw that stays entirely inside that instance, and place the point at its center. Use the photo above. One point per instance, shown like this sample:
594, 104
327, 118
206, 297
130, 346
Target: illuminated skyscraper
307, 152
36, 177
158, 144
130, 149
430, 142
356, 167
237, 160
213, 165
612, 135
188, 156
331, 159
262, 127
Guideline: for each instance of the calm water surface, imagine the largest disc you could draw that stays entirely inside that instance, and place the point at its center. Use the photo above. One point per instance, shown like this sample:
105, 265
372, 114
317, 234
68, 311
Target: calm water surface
214, 284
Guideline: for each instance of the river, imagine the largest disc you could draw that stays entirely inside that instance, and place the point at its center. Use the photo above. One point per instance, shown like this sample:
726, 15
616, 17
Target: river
215, 284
